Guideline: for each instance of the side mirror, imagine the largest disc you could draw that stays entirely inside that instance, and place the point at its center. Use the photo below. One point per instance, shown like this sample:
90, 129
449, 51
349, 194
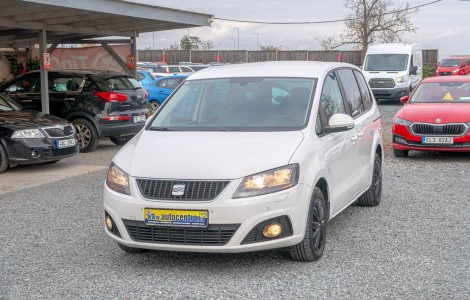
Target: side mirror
339, 123
404, 99
414, 70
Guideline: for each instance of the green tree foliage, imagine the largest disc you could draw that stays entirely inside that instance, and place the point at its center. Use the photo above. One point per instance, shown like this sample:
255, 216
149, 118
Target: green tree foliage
190, 42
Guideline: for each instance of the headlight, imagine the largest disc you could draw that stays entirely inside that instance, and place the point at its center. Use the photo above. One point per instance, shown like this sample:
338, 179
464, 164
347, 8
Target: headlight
401, 121
118, 180
27, 134
268, 182
400, 79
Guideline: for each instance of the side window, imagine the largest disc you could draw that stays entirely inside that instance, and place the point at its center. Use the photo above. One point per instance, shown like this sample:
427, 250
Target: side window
331, 101
352, 93
59, 84
366, 97
172, 83
186, 69
28, 85
162, 83
140, 76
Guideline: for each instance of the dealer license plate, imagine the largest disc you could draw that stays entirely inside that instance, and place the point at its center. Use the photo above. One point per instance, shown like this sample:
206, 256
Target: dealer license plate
65, 143
176, 218
139, 119
438, 140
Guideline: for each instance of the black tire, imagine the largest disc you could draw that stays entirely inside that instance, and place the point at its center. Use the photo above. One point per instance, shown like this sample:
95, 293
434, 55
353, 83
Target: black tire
373, 195
121, 140
88, 136
155, 105
3, 159
130, 249
52, 162
313, 244
400, 153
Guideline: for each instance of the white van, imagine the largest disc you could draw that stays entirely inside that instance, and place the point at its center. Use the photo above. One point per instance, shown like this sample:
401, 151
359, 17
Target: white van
393, 70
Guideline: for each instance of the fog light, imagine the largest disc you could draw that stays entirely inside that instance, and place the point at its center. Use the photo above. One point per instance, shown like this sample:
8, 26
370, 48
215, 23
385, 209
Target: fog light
109, 223
35, 154
272, 230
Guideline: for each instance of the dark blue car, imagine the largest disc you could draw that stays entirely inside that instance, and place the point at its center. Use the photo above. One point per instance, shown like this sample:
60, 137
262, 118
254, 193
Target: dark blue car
162, 87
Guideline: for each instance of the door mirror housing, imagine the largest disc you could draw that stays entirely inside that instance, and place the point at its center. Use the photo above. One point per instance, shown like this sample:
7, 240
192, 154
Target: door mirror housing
405, 99
339, 123
414, 70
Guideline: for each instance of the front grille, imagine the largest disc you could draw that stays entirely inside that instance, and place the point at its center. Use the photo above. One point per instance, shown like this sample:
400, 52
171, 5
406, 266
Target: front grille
434, 129
56, 131
445, 73
213, 235
193, 190
382, 83
59, 152
256, 234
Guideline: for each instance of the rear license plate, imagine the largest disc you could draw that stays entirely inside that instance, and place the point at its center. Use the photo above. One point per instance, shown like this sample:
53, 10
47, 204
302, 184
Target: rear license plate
65, 143
438, 140
176, 218
139, 119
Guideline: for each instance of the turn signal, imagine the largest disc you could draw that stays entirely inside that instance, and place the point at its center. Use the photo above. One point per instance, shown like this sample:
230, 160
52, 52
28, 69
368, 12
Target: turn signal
272, 230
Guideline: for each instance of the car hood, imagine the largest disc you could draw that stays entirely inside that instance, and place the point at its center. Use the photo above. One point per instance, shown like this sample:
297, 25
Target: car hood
26, 119
429, 112
206, 155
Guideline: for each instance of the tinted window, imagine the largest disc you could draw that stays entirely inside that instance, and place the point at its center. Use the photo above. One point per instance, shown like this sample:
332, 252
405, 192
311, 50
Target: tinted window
27, 85
331, 101
366, 97
122, 83
352, 93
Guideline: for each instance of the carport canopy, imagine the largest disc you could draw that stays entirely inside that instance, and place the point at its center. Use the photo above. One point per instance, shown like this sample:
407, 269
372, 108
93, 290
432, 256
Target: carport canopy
24, 23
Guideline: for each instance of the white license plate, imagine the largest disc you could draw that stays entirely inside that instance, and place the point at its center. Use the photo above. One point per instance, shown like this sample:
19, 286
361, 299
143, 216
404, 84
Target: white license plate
65, 143
139, 119
438, 140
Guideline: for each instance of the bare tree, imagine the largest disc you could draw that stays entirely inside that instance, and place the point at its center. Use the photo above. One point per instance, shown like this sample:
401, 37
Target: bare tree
372, 21
270, 48
207, 45
174, 46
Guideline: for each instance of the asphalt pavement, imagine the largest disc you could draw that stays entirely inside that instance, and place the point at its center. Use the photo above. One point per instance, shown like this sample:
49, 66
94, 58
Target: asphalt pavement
414, 245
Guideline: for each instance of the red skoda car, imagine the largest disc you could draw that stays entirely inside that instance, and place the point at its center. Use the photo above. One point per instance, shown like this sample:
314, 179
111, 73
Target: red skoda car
435, 118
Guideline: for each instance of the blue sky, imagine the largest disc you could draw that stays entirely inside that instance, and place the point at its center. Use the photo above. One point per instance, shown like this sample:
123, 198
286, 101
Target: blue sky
444, 25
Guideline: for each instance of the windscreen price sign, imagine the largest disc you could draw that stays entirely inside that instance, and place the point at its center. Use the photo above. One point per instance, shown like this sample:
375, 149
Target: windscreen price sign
131, 61
46, 61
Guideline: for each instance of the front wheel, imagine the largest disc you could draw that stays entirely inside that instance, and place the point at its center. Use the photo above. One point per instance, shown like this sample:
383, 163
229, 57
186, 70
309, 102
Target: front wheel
373, 195
313, 244
3, 159
121, 140
130, 249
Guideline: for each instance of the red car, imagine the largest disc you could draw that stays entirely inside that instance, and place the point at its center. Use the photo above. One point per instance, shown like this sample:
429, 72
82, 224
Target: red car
453, 66
435, 118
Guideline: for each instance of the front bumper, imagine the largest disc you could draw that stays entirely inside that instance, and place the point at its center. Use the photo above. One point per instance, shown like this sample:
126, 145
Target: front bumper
40, 150
390, 94
242, 216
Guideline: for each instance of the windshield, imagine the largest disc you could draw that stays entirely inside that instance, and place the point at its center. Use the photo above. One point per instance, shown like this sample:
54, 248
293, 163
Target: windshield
449, 63
7, 104
238, 104
386, 62
442, 92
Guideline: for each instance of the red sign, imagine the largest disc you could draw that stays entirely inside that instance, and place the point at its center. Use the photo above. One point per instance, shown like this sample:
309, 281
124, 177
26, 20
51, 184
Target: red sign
46, 61
131, 61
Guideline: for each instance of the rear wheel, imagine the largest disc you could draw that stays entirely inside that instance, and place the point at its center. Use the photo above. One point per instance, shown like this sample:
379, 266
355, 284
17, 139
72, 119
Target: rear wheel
373, 195
3, 159
400, 153
313, 244
155, 105
88, 137
130, 249
121, 140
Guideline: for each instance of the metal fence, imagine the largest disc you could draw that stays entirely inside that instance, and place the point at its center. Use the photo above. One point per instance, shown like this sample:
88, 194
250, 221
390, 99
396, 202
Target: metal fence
430, 56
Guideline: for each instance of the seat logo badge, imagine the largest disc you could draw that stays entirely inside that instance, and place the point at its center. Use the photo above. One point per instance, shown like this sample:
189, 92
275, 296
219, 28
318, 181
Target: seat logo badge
61, 127
178, 190
438, 120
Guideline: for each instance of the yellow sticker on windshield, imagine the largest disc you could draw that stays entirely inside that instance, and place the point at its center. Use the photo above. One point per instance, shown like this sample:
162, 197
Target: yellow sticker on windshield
448, 97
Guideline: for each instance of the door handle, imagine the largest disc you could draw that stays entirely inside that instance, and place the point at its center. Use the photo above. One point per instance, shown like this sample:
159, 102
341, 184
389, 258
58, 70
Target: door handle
354, 138
360, 133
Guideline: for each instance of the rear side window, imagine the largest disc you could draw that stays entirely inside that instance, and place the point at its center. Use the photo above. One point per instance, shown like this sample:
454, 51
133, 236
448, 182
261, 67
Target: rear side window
27, 85
122, 83
366, 97
352, 93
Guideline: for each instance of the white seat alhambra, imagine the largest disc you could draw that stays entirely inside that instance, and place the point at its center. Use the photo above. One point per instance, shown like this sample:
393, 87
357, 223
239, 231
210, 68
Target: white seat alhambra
248, 157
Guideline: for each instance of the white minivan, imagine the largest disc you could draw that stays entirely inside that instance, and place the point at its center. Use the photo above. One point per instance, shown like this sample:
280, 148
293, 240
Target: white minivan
393, 70
248, 157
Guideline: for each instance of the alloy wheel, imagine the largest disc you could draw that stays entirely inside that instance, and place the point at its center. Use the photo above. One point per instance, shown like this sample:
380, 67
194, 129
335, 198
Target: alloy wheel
84, 135
318, 224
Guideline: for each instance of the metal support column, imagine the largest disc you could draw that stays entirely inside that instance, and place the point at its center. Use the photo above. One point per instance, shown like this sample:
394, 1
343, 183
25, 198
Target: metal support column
134, 52
43, 73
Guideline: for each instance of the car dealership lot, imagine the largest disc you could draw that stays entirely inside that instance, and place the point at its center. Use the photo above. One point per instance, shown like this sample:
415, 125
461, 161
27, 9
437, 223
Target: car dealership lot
414, 245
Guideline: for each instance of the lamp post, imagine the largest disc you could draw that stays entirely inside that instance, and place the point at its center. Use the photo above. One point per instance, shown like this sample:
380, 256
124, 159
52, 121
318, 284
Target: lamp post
238, 38
257, 40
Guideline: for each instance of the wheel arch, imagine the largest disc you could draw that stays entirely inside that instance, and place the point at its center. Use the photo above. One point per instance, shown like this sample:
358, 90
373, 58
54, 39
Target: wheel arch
79, 115
322, 184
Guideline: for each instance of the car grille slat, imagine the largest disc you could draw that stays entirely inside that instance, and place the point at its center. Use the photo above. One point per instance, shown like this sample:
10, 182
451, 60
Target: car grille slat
382, 83
57, 132
213, 235
434, 129
194, 190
